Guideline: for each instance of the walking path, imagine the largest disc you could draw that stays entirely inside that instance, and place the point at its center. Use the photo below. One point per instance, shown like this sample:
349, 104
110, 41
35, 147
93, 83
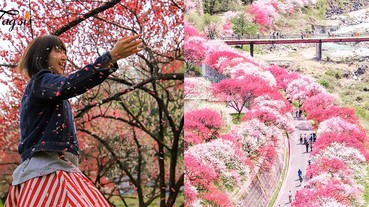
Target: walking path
298, 160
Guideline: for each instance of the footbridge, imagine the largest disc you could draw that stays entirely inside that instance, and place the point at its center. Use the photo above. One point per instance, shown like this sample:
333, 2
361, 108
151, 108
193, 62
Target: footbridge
317, 40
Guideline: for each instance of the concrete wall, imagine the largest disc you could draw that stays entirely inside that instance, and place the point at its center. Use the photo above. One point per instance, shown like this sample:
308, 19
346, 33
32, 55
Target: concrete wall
261, 189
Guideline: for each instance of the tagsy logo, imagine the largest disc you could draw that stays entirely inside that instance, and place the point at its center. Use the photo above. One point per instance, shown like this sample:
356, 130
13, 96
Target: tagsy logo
12, 18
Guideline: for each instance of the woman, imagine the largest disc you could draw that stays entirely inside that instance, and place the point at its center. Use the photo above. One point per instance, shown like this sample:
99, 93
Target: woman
49, 173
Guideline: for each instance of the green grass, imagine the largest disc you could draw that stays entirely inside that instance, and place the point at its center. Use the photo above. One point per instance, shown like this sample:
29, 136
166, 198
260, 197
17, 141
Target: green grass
324, 83
318, 10
1, 204
246, 48
236, 118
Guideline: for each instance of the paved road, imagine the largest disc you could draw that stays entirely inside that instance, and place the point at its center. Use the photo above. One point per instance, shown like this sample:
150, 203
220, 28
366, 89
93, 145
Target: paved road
298, 160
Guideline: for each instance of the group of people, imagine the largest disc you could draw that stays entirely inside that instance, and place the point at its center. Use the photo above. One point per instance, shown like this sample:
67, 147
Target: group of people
275, 35
308, 142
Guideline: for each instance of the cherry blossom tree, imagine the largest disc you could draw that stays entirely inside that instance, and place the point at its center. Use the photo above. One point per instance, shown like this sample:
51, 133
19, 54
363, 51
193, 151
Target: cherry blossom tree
274, 101
222, 59
239, 93
261, 15
338, 125
257, 141
227, 28
302, 88
265, 12
212, 168
320, 101
147, 89
195, 50
345, 113
196, 87
201, 126
240, 70
270, 117
282, 76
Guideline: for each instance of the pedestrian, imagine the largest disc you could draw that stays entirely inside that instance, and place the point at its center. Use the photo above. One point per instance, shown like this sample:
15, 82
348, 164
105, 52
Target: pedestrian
49, 149
299, 173
307, 146
290, 196
311, 146
300, 138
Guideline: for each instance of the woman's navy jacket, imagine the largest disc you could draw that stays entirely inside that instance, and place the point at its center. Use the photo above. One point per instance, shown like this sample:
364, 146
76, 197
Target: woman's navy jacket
46, 120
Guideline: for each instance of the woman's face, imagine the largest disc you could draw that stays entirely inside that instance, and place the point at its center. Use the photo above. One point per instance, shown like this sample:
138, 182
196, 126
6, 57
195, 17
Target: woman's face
56, 60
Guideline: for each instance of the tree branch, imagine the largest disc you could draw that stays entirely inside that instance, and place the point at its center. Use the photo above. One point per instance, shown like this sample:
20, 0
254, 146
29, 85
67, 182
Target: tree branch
91, 13
87, 107
9, 65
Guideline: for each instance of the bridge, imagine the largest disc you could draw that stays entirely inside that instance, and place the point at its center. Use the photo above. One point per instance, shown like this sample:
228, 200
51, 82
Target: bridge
317, 40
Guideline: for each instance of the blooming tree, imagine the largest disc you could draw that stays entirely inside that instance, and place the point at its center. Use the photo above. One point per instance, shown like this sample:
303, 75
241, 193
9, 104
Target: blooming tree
213, 167
320, 101
147, 89
194, 48
239, 93
201, 125
282, 76
302, 88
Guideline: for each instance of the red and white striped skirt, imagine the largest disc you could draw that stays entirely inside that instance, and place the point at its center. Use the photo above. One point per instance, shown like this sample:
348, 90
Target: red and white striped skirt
59, 189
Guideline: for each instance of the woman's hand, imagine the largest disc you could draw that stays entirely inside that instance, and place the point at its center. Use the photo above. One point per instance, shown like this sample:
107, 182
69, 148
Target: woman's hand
125, 47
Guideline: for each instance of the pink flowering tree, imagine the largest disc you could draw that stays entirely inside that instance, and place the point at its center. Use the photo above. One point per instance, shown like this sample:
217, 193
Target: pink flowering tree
274, 101
239, 93
256, 141
320, 101
302, 88
201, 125
212, 169
227, 28
282, 76
270, 117
241, 70
260, 15
334, 177
196, 87
355, 141
339, 125
327, 191
265, 12
194, 48
320, 115
221, 59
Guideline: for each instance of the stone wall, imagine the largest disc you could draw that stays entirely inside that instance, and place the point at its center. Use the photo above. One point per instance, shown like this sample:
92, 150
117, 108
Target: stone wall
261, 189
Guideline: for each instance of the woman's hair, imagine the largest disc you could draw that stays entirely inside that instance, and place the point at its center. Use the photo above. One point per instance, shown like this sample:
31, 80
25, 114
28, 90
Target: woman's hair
37, 53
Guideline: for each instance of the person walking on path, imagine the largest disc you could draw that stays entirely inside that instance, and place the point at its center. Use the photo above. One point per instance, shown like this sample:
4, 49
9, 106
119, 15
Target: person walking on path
307, 146
299, 173
290, 196
49, 149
